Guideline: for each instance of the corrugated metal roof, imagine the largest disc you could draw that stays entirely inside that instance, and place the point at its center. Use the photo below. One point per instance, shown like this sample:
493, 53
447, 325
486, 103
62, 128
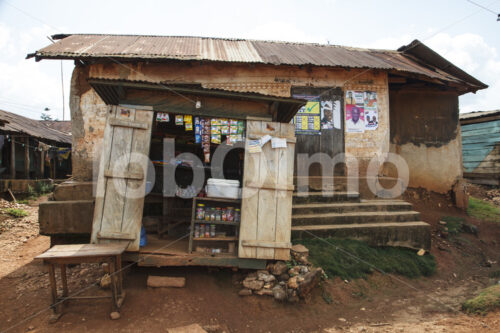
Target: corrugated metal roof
85, 46
479, 114
14, 123
58, 125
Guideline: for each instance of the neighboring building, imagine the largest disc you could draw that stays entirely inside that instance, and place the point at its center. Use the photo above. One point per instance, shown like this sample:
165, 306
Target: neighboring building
481, 146
406, 99
58, 125
31, 150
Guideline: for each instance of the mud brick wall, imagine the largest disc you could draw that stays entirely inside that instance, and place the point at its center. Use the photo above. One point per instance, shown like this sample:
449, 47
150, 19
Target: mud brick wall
425, 132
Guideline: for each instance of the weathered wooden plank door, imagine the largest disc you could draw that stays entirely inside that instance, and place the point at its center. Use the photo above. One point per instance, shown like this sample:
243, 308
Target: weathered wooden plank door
329, 140
266, 208
122, 171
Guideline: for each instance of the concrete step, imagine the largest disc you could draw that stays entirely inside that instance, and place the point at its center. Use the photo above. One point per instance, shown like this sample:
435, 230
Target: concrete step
414, 234
354, 217
324, 197
346, 207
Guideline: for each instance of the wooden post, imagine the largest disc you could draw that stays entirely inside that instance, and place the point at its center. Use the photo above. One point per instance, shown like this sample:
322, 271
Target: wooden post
54, 161
42, 163
27, 157
53, 287
13, 157
64, 279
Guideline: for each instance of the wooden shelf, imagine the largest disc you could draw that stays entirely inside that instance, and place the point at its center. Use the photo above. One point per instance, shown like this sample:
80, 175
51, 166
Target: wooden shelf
217, 239
236, 201
217, 222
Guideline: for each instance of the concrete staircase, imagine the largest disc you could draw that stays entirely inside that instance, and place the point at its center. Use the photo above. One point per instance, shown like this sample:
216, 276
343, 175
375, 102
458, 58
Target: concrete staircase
343, 214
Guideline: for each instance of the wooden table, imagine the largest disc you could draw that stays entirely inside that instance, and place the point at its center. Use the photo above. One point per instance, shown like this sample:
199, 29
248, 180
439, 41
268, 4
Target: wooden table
62, 255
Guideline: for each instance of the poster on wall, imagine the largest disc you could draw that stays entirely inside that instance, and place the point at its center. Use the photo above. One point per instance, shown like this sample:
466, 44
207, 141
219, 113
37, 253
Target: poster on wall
308, 118
330, 114
354, 112
371, 110
323, 110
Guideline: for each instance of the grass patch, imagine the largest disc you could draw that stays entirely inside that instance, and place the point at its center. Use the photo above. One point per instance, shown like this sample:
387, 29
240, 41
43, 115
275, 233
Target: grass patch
483, 210
16, 212
487, 300
38, 190
389, 259
454, 224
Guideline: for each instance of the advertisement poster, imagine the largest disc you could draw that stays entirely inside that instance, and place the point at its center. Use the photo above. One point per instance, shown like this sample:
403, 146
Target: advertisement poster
371, 111
330, 114
355, 112
308, 118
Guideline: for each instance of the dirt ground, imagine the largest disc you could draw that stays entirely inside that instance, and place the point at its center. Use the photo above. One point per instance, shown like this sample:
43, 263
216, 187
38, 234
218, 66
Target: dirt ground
381, 303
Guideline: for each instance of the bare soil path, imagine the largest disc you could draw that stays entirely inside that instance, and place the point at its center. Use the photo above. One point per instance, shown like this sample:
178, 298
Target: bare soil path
210, 298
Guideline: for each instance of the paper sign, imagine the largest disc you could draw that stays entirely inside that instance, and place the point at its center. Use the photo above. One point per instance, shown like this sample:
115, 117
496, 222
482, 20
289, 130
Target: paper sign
265, 139
371, 111
254, 146
337, 119
278, 143
312, 107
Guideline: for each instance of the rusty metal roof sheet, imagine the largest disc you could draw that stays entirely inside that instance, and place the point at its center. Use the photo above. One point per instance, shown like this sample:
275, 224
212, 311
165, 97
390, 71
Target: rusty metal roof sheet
88, 46
12, 123
479, 114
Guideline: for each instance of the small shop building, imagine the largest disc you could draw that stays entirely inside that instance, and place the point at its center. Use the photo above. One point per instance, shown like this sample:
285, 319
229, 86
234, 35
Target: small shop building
31, 152
265, 102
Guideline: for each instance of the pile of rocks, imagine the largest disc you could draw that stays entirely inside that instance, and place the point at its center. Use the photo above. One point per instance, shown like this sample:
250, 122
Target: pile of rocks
285, 281
494, 196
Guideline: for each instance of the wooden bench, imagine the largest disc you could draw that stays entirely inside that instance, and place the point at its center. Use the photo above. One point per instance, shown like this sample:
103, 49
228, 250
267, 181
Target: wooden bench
62, 255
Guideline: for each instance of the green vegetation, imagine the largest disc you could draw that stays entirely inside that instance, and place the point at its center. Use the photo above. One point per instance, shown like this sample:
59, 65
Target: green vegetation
483, 210
495, 274
487, 300
16, 212
41, 188
335, 262
454, 224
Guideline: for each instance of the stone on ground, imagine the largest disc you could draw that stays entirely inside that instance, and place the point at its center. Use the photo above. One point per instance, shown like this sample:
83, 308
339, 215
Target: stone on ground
193, 328
245, 292
279, 293
310, 281
279, 268
165, 282
105, 281
114, 315
253, 284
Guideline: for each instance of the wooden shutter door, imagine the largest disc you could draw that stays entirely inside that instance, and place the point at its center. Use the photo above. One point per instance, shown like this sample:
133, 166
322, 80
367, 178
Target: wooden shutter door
266, 208
118, 215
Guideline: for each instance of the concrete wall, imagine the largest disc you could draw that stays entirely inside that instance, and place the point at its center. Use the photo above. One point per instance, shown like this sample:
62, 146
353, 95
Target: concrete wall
425, 132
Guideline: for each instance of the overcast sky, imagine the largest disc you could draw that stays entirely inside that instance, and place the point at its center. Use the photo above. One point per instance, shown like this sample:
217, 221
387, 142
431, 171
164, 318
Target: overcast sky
465, 34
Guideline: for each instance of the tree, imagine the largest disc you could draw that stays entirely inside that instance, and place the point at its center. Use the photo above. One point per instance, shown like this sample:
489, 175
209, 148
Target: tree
45, 116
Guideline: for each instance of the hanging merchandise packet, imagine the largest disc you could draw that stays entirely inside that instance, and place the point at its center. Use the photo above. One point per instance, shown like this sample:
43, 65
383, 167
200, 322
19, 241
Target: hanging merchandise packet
188, 122
216, 138
233, 126
179, 120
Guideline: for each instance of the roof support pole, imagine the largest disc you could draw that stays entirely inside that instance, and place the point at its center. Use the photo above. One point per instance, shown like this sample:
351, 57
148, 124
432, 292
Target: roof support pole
27, 157
42, 164
13, 157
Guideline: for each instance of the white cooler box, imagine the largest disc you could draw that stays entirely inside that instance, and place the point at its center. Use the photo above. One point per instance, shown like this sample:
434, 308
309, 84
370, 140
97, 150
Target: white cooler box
223, 188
